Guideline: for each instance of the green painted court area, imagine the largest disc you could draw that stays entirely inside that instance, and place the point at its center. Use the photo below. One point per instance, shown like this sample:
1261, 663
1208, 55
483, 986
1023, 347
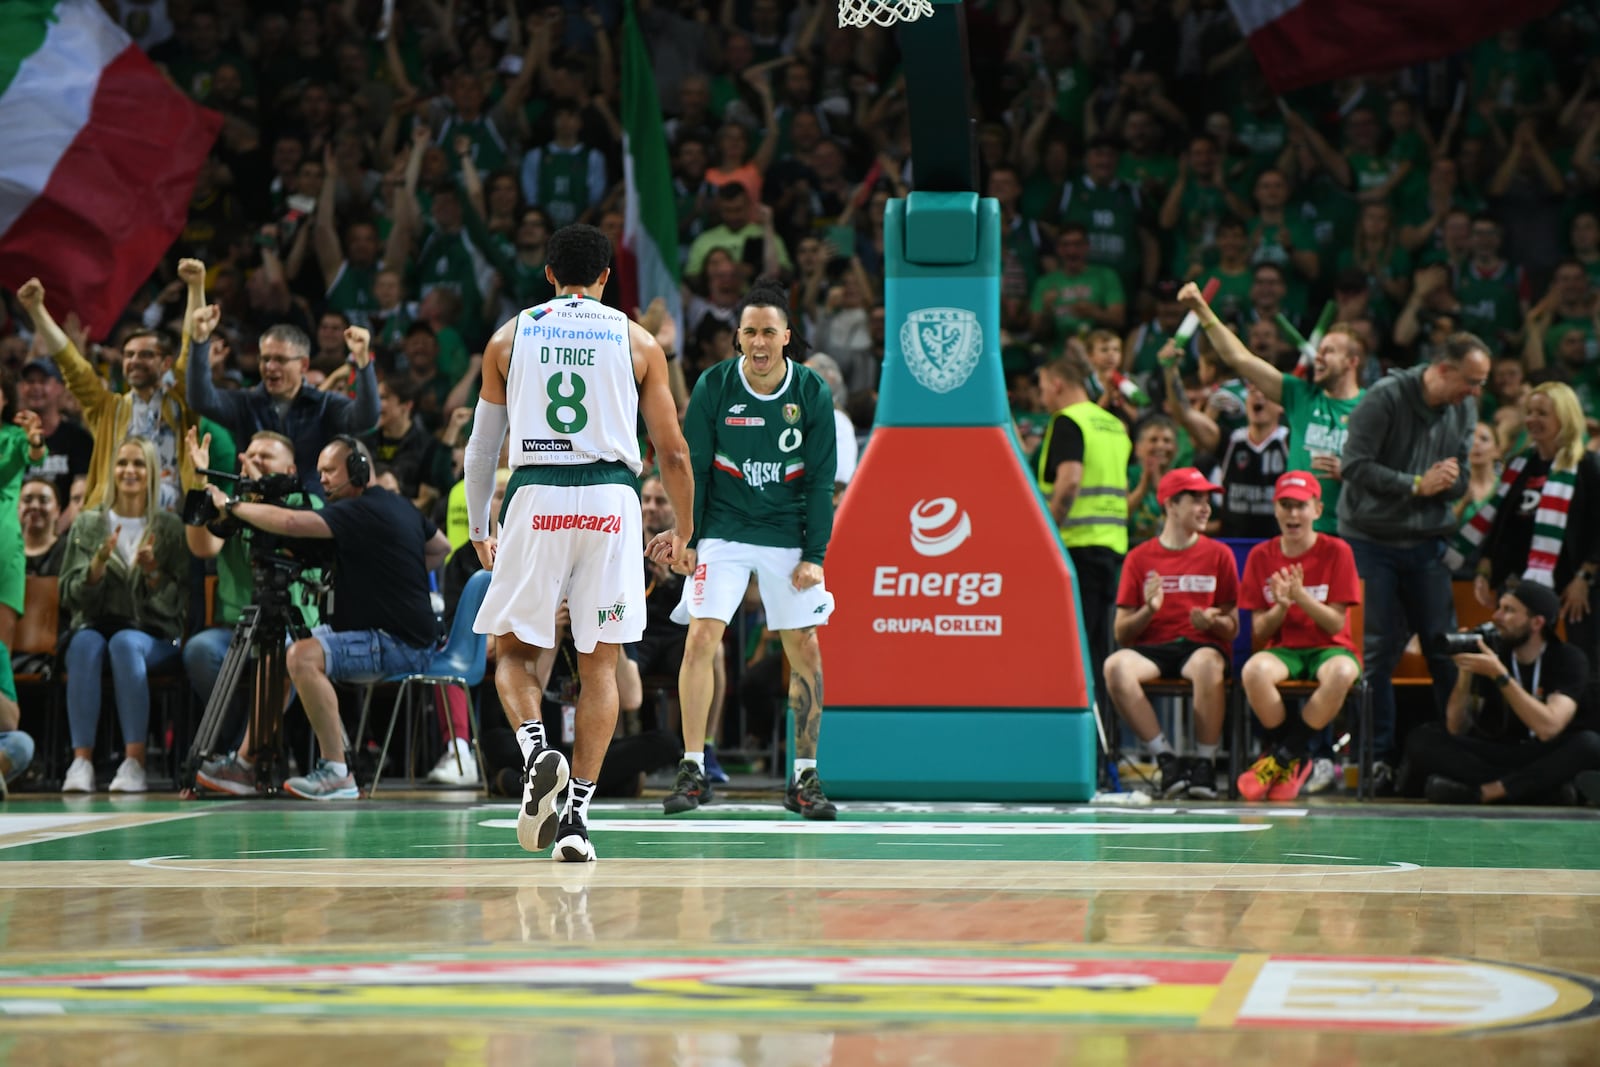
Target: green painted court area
96, 830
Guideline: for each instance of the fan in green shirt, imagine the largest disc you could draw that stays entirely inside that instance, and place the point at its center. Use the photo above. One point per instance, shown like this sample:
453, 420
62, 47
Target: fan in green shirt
1078, 296
1377, 253
1318, 412
1231, 271
1109, 211
1197, 203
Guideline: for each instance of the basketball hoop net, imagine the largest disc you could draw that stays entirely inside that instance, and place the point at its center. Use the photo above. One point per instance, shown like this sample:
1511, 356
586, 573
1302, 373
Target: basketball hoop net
882, 12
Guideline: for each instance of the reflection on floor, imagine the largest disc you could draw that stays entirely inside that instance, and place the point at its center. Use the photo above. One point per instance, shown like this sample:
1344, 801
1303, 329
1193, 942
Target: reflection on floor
410, 930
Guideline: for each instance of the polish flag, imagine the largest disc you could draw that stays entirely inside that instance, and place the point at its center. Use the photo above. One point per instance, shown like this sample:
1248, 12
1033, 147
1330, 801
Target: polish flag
1306, 42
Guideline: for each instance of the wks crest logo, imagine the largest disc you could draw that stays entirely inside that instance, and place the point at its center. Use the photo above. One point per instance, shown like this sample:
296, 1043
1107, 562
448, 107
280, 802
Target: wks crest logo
938, 526
941, 347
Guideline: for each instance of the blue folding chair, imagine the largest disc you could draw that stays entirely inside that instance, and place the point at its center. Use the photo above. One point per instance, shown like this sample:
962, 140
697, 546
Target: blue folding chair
461, 662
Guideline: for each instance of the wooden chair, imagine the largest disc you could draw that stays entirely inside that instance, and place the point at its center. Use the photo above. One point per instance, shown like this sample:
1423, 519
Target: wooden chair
211, 601
1412, 669
1360, 693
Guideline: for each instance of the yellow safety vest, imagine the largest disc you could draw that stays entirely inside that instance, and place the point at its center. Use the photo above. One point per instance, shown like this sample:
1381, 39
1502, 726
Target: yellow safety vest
1099, 514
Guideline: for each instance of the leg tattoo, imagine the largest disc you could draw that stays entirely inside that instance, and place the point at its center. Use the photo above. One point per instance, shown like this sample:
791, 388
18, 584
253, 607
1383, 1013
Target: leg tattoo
805, 697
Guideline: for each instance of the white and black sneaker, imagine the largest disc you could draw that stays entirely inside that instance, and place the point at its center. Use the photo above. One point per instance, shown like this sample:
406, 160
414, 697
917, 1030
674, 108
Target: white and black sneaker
572, 842
1202, 778
543, 788
1174, 775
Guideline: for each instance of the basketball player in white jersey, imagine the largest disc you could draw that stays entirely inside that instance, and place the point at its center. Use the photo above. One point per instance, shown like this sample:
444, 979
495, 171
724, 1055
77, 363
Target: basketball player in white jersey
571, 377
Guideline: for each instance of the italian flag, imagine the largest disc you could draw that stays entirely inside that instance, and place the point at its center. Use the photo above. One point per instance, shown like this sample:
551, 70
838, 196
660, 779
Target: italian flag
647, 262
1307, 42
100, 154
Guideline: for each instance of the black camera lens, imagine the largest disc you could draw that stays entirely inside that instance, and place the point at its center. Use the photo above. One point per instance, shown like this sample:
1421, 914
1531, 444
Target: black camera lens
1457, 644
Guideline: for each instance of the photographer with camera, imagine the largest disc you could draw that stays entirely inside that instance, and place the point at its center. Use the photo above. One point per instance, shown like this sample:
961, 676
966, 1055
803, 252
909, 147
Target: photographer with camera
1531, 733
233, 547
380, 620
1542, 523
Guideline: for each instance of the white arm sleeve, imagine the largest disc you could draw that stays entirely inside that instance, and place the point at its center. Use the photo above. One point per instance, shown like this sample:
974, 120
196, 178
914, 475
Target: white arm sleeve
489, 425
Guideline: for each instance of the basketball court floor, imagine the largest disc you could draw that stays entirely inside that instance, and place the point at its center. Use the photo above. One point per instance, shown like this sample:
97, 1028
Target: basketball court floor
413, 930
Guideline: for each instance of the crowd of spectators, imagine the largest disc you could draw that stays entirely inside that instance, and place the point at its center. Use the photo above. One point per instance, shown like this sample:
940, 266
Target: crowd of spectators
404, 182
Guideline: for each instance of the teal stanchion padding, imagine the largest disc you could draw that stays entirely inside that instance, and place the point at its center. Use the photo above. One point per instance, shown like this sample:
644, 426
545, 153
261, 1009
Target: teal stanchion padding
942, 372
973, 754
942, 229
942, 318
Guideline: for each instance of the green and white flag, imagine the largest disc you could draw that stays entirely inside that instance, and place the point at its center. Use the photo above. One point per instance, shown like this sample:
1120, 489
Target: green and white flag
648, 260
100, 157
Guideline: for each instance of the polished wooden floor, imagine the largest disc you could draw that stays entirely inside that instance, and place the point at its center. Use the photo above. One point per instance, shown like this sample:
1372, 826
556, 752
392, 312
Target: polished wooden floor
412, 930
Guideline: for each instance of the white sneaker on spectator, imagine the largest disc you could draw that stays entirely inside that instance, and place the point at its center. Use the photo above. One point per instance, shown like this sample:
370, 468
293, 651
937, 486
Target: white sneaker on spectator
446, 771
129, 778
1323, 774
80, 777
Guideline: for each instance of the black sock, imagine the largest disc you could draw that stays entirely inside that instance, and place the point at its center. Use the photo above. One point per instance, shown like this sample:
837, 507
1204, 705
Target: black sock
1295, 738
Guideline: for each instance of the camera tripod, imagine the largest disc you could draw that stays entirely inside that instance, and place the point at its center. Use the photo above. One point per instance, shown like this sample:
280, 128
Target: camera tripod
256, 652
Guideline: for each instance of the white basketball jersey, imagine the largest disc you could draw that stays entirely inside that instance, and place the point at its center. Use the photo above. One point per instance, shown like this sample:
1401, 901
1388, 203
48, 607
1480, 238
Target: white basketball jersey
571, 396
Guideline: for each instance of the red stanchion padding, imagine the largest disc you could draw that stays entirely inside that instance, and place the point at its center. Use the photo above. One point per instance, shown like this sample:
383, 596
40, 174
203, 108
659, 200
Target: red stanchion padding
952, 588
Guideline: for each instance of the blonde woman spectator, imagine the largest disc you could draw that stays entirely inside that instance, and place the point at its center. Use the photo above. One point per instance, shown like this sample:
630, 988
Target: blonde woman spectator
122, 584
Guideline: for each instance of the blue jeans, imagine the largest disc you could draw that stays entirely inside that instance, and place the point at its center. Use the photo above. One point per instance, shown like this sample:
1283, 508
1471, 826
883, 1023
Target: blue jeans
368, 655
134, 654
1408, 592
18, 748
202, 658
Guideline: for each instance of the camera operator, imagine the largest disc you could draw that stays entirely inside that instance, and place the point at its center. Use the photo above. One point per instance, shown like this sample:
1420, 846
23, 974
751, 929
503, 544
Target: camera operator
1530, 736
269, 453
380, 621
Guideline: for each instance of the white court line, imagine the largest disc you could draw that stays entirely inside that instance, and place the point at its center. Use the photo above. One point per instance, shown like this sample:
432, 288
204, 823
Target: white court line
1158, 848
104, 820
1389, 867
905, 829
269, 851
1319, 856
934, 844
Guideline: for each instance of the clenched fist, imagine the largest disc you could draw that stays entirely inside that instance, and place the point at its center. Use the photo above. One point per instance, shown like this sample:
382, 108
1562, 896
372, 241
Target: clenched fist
1192, 298
31, 295
203, 321
192, 271
357, 339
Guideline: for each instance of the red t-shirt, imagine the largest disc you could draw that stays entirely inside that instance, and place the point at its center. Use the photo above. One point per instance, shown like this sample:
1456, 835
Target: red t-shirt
1329, 576
1200, 576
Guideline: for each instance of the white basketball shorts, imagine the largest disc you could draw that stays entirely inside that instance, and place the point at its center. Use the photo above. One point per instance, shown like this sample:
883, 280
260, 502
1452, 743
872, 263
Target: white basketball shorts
582, 544
722, 574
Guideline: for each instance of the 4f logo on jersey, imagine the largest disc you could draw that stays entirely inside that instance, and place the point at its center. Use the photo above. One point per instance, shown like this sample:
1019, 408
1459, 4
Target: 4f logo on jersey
612, 614
737, 409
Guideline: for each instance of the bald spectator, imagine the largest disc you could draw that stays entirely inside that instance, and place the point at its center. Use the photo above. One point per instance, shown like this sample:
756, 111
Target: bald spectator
1404, 464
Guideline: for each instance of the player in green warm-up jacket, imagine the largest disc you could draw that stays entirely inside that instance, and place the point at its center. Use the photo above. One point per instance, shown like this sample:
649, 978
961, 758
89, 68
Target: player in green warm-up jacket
762, 443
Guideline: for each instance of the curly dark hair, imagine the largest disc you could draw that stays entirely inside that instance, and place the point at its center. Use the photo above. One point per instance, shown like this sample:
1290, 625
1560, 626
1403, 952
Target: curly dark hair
578, 254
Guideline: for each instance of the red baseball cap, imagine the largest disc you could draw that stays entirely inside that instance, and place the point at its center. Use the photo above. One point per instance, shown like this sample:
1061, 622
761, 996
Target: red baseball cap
1183, 480
1297, 485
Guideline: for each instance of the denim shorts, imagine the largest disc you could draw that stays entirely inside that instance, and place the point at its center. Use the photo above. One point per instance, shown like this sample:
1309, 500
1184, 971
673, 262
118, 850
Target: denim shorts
368, 655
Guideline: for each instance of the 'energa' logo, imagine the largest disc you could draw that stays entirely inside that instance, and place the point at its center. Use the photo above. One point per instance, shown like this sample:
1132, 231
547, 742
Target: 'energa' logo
941, 346
938, 526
